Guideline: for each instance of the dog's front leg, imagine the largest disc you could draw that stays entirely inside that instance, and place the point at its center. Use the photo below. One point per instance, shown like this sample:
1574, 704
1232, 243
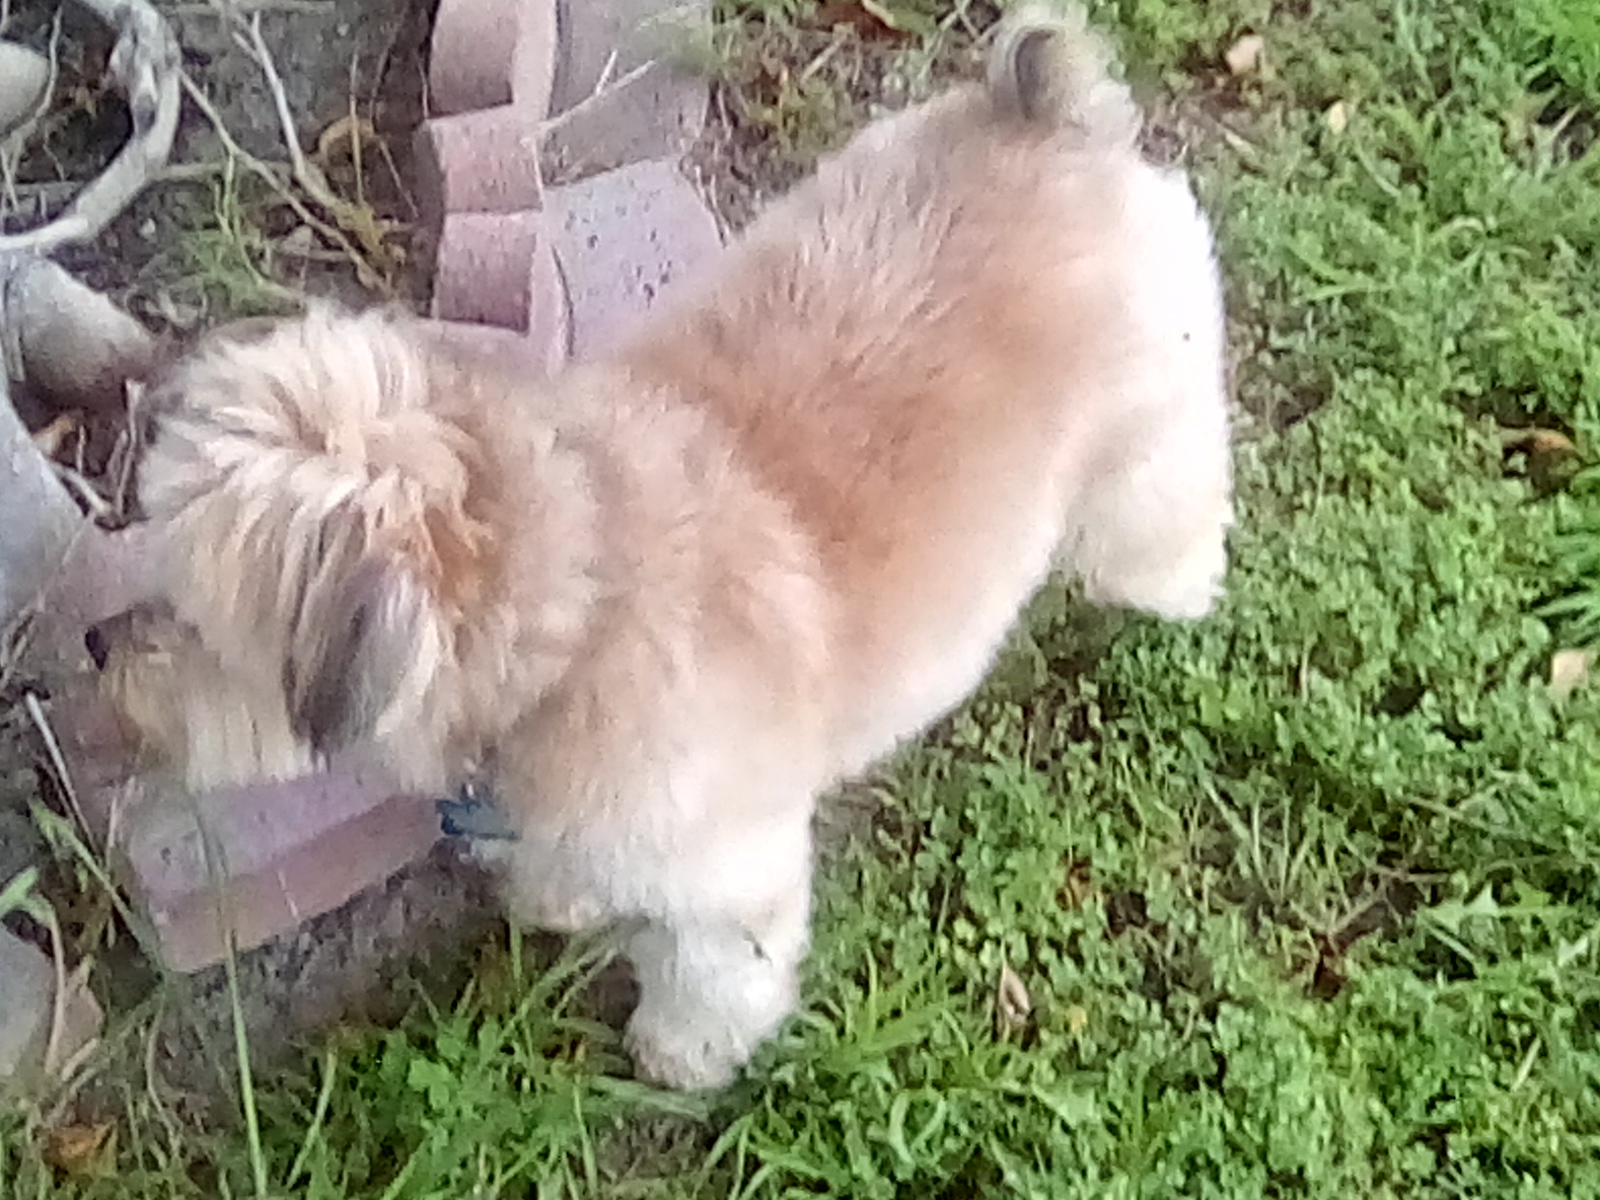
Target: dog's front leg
719, 971
550, 888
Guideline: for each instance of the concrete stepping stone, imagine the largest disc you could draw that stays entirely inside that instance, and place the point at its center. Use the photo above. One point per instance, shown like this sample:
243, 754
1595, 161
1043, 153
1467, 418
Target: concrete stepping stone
621, 239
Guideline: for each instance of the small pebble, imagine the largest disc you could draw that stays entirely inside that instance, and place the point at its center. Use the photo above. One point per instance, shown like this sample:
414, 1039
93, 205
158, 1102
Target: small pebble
24, 79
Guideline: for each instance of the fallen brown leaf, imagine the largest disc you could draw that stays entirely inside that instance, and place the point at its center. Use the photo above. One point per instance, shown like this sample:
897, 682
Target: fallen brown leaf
52, 439
1540, 441
867, 19
81, 1150
347, 131
1078, 885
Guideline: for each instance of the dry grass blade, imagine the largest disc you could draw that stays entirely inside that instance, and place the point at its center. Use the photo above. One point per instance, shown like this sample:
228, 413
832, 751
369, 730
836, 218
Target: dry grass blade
604, 87
1013, 1006
266, 172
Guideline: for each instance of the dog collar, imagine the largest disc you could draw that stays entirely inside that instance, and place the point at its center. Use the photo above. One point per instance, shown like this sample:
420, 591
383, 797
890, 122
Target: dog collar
474, 814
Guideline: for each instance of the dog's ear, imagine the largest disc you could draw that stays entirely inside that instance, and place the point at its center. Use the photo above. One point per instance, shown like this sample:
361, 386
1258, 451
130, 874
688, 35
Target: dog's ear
362, 638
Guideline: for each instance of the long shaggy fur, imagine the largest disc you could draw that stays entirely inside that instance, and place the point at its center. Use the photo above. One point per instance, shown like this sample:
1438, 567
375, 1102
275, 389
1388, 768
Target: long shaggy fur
665, 600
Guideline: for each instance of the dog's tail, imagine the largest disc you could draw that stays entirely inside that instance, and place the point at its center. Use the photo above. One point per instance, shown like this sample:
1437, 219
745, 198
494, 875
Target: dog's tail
1049, 69
317, 513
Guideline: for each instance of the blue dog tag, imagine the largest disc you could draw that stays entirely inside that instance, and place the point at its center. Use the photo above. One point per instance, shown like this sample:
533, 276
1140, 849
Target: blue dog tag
474, 816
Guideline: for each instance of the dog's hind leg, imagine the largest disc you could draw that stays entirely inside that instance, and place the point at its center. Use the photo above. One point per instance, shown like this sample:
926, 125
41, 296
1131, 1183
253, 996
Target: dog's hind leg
718, 976
1153, 535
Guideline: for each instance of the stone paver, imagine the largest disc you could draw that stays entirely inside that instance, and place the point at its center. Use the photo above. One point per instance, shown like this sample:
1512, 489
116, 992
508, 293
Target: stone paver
659, 114
281, 854
533, 66
256, 860
540, 351
622, 238
481, 161
472, 52
488, 272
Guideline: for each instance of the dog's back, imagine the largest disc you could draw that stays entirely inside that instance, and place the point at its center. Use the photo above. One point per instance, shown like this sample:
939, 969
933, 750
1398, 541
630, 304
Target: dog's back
947, 351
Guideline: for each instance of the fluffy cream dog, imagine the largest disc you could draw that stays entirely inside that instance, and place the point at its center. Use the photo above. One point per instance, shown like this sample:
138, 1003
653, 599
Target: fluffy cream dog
663, 601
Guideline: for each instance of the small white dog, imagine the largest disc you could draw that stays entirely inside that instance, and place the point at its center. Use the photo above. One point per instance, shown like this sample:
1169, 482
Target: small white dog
662, 602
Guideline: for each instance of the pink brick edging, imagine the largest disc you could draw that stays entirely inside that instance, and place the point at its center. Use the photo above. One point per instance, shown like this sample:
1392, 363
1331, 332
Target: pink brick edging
251, 862
474, 46
485, 151
485, 161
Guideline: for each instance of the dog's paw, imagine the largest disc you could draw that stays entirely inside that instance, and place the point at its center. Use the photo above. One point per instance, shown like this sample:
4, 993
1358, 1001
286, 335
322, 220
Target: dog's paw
686, 1056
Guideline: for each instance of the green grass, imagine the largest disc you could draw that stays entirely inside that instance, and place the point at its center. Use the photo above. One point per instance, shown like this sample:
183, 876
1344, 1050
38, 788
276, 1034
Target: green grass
1305, 899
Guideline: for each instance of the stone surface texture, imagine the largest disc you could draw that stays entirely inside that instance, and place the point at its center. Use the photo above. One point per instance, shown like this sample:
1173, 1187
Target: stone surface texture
660, 113
622, 237
40, 518
27, 1015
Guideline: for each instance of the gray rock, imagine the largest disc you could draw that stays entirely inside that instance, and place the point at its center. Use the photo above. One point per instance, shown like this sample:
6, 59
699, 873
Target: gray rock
24, 78
26, 987
70, 346
27, 1002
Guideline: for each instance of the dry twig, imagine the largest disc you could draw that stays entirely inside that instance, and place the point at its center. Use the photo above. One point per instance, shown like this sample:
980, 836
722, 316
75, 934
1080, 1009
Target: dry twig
146, 63
358, 221
264, 171
603, 88
58, 761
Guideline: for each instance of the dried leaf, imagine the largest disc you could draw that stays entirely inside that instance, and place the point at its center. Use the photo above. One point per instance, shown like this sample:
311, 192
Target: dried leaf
1550, 457
82, 1150
1245, 56
1337, 116
1078, 885
344, 132
1569, 669
1013, 1006
1536, 440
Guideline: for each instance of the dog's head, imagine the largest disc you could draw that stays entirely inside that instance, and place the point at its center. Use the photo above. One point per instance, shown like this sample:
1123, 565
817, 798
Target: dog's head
191, 717
320, 555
